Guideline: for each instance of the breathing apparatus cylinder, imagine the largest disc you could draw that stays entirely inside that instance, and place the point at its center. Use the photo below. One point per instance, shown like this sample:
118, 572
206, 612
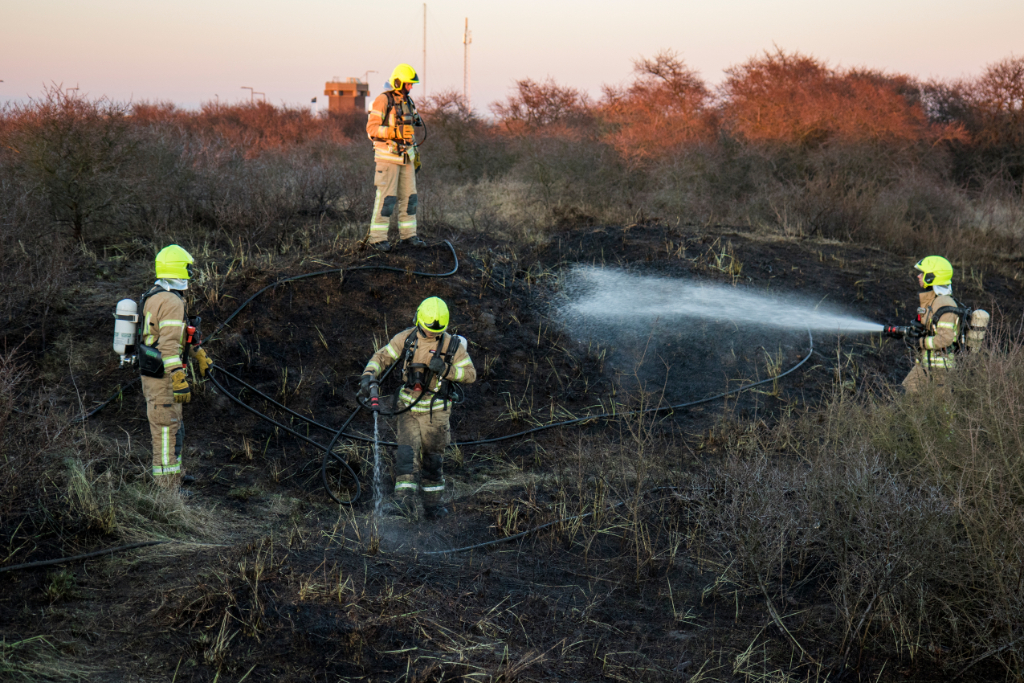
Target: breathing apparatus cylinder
978, 327
126, 320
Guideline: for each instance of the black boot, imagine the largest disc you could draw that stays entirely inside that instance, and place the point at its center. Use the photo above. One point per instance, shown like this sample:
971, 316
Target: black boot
383, 247
413, 241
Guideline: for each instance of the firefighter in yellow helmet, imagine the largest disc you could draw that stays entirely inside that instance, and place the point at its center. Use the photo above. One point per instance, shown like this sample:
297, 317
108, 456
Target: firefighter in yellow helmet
390, 125
164, 345
935, 332
432, 360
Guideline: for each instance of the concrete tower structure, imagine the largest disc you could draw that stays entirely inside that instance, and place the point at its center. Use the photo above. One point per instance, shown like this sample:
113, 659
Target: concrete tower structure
346, 96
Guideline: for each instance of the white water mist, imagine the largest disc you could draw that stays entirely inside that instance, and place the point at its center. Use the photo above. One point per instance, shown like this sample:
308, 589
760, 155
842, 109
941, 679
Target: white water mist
603, 294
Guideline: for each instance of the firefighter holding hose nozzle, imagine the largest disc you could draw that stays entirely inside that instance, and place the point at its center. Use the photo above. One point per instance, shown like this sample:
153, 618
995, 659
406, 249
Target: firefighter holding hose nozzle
432, 360
942, 327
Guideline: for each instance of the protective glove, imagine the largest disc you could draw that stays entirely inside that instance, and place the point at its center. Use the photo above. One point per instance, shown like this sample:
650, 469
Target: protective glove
182, 393
406, 133
917, 330
202, 360
436, 366
364, 386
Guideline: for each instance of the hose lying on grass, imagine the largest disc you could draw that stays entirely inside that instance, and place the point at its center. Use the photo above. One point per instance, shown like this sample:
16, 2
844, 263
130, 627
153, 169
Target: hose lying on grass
328, 450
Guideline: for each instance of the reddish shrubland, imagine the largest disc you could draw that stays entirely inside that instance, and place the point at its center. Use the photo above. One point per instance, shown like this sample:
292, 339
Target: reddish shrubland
666, 108
786, 144
792, 99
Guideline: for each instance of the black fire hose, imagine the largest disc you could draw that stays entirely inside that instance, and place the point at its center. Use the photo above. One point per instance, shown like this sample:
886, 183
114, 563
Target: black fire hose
328, 451
120, 390
330, 271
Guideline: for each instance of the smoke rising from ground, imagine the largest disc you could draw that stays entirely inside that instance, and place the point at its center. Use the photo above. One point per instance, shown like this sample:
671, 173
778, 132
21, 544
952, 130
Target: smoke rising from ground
598, 296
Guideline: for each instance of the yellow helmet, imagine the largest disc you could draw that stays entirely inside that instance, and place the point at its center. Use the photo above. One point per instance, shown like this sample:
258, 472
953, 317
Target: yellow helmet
937, 270
174, 262
432, 315
402, 74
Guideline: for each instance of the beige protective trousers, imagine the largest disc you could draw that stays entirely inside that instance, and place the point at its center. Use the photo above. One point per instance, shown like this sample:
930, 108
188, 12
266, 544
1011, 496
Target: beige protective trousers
396, 190
919, 379
167, 430
422, 438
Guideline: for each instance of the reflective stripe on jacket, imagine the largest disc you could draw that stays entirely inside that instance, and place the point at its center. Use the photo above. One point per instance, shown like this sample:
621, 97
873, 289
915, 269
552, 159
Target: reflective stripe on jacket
935, 350
388, 151
164, 320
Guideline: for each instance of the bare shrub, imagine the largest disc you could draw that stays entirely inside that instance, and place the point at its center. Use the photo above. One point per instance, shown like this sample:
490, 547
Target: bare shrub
250, 128
666, 108
901, 513
545, 107
997, 118
75, 152
794, 99
461, 146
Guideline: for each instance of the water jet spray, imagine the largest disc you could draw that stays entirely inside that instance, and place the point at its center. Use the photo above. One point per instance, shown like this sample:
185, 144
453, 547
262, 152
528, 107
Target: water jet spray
601, 296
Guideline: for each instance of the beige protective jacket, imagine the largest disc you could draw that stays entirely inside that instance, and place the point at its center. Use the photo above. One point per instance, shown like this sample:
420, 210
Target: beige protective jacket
935, 350
379, 131
165, 322
424, 348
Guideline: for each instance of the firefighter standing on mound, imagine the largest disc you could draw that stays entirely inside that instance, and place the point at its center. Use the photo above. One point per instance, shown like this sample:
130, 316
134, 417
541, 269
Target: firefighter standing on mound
390, 127
936, 330
164, 344
432, 359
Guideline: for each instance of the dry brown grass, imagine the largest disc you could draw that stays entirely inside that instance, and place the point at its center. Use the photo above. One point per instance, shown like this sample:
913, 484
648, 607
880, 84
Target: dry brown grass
892, 522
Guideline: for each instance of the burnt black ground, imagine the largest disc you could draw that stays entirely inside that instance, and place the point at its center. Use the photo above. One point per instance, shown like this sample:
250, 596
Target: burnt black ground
529, 610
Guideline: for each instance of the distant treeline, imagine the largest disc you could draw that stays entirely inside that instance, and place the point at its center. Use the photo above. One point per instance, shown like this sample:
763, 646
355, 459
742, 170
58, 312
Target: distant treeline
785, 144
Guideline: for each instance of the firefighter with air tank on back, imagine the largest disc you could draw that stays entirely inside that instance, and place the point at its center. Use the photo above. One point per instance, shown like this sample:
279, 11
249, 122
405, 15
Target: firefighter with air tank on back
942, 328
431, 361
390, 125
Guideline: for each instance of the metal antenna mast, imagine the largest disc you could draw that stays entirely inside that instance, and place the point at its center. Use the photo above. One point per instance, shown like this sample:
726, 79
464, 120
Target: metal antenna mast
467, 38
423, 71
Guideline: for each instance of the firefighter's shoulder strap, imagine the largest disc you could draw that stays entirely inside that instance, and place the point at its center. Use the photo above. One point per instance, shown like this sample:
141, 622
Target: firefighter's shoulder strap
391, 105
963, 314
409, 348
448, 355
151, 362
454, 342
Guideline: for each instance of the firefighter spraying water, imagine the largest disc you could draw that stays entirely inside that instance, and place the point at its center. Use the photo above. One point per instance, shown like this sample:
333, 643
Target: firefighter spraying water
943, 326
433, 361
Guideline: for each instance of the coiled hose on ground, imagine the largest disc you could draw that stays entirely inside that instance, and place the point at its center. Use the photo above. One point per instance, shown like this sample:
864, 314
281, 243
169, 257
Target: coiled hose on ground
328, 450
338, 433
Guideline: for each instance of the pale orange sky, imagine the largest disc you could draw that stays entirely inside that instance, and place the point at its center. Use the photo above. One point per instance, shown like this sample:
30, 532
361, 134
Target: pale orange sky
189, 52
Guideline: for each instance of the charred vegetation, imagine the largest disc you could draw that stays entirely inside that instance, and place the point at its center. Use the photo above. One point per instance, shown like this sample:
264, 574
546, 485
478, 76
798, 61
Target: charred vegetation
822, 527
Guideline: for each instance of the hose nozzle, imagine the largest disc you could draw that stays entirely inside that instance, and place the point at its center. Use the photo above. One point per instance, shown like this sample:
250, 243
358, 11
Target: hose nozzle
900, 332
375, 396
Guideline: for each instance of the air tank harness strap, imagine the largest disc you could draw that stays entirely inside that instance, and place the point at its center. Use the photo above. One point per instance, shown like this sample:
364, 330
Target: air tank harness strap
440, 382
408, 352
151, 363
444, 385
962, 313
